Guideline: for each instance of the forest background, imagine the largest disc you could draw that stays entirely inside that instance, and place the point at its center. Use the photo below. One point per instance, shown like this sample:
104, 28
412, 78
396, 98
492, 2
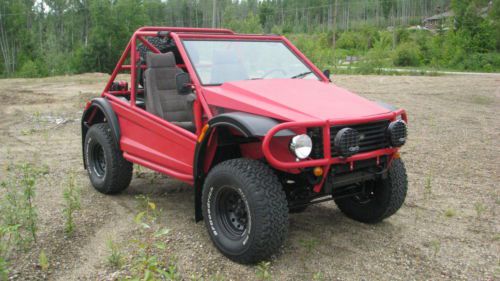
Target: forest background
56, 37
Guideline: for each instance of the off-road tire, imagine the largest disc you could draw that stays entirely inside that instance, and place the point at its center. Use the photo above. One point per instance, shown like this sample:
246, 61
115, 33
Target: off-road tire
265, 201
115, 174
390, 193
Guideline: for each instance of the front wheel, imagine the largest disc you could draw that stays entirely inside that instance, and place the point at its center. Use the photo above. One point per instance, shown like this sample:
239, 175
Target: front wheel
383, 199
245, 210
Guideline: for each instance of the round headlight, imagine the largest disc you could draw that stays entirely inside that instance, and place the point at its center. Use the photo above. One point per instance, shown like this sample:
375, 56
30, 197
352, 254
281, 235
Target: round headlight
397, 133
301, 146
346, 142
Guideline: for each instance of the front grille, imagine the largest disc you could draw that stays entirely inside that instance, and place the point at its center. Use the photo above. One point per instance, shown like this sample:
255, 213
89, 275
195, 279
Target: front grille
372, 136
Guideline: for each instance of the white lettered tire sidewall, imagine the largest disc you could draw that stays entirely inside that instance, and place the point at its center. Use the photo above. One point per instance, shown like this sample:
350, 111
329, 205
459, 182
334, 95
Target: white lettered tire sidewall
266, 209
223, 242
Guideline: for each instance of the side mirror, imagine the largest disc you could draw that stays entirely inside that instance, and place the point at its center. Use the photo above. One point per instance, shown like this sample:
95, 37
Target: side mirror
326, 72
183, 82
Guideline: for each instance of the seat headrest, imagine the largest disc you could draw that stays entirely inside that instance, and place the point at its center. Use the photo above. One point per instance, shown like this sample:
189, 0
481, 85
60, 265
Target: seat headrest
160, 60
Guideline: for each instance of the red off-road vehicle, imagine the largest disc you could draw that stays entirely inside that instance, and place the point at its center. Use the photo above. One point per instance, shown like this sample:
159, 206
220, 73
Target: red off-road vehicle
253, 125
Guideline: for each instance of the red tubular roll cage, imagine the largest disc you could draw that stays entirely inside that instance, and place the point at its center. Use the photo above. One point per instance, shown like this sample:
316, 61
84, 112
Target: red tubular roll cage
201, 106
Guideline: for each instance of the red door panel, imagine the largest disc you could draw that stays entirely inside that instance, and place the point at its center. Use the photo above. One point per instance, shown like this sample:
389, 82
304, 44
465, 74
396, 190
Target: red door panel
153, 142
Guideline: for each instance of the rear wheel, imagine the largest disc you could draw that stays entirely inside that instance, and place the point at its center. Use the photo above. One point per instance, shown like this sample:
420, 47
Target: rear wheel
108, 171
381, 199
245, 210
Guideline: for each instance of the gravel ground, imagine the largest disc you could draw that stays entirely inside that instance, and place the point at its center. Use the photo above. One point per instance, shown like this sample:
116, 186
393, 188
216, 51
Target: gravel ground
448, 228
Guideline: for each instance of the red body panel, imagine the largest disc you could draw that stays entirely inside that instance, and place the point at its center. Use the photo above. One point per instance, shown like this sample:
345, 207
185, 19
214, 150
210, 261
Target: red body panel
292, 100
155, 143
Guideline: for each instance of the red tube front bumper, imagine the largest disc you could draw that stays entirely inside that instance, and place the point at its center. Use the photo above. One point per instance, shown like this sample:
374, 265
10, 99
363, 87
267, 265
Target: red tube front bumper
327, 161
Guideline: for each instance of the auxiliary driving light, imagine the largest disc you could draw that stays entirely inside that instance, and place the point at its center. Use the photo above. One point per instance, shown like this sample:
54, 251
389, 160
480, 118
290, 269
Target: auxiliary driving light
346, 142
301, 146
397, 133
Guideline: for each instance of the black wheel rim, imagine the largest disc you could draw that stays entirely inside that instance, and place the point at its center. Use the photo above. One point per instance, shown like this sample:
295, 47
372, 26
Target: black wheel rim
233, 213
367, 193
98, 160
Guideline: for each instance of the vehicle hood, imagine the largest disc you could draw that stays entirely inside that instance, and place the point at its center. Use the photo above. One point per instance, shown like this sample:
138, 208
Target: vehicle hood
292, 100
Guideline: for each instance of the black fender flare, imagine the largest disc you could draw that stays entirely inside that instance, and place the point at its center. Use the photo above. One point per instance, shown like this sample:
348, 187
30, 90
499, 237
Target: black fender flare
249, 125
105, 108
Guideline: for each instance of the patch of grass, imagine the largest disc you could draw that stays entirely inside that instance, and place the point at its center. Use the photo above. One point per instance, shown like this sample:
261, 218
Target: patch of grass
449, 213
4, 269
262, 270
115, 258
139, 171
496, 237
480, 209
28, 181
28, 132
428, 186
71, 197
43, 261
318, 276
435, 246
172, 273
309, 244
216, 277
481, 100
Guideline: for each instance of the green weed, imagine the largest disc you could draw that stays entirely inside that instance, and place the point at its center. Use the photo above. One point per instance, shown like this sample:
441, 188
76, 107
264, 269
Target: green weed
146, 265
480, 209
43, 261
216, 277
481, 100
18, 214
428, 186
28, 185
71, 197
435, 246
449, 213
262, 271
309, 244
4, 269
496, 237
318, 276
115, 258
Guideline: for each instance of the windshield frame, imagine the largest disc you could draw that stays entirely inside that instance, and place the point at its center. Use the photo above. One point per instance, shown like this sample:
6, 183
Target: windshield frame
248, 38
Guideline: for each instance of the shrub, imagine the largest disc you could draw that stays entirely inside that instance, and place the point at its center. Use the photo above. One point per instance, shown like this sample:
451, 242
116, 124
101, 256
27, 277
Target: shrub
349, 40
407, 54
29, 69
489, 62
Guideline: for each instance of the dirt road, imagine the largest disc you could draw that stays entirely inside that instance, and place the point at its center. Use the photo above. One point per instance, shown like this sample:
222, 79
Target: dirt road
449, 227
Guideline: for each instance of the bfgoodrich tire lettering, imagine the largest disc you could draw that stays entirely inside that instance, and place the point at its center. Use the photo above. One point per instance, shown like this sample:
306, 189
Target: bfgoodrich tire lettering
245, 210
389, 195
108, 171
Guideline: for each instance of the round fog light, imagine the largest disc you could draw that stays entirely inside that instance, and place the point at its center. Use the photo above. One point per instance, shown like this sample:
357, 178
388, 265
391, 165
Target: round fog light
301, 146
346, 142
397, 133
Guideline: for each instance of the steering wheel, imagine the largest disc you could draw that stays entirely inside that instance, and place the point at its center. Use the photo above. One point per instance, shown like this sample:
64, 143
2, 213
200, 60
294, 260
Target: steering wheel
274, 70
